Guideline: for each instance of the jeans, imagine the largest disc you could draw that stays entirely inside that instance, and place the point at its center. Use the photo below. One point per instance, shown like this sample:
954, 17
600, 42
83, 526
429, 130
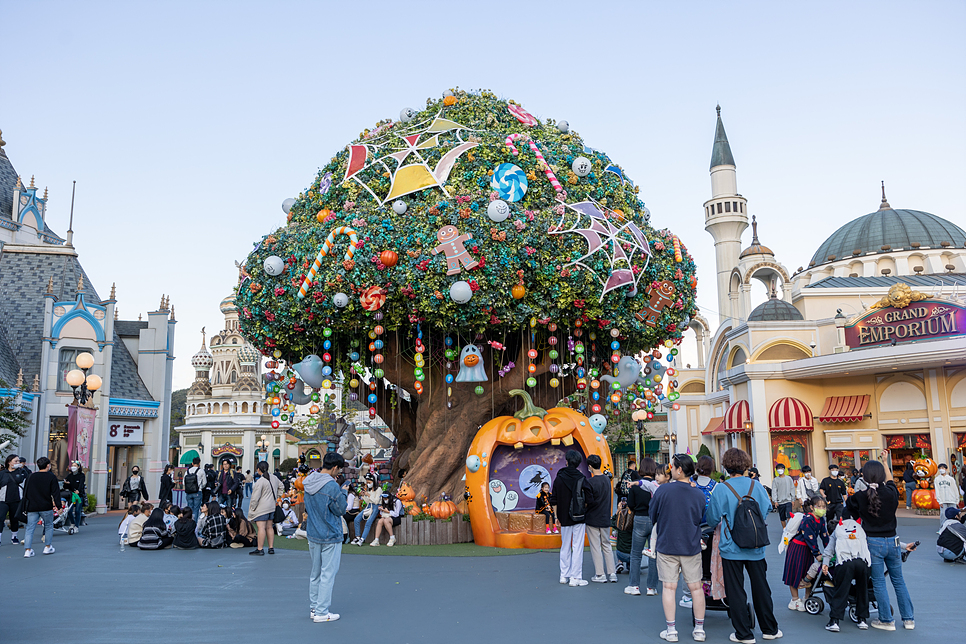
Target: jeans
734, 581
194, 502
624, 557
885, 554
909, 490
32, 519
600, 551
949, 555
639, 537
225, 500
78, 512
357, 522
572, 551
325, 566
248, 489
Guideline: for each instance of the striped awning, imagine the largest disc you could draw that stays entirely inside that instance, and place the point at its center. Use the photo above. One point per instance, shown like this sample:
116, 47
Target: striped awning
844, 409
790, 415
716, 426
735, 417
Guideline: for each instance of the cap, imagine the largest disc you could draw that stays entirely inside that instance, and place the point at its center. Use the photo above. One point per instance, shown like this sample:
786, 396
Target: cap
952, 512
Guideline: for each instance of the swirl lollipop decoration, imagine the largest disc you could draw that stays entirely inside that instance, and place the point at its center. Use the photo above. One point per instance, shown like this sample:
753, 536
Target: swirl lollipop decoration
510, 182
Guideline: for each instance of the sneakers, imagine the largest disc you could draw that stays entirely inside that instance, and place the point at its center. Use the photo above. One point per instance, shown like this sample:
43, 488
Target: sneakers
883, 626
49, 550
620, 567
649, 553
392, 541
698, 634
734, 638
28, 553
632, 590
612, 578
685, 602
548, 529
375, 543
833, 626
775, 636
863, 625
670, 636
908, 624
15, 541
563, 580
651, 592
311, 613
794, 604
599, 579
328, 617
575, 582
257, 553
556, 530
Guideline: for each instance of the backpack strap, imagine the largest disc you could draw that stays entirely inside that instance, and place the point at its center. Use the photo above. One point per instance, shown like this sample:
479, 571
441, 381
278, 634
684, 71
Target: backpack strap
737, 496
751, 489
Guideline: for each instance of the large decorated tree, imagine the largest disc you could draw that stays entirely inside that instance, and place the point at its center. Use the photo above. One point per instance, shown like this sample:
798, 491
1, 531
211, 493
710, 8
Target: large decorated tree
465, 250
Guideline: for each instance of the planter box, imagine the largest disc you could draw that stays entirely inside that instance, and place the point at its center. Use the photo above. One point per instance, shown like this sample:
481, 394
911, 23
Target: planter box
433, 533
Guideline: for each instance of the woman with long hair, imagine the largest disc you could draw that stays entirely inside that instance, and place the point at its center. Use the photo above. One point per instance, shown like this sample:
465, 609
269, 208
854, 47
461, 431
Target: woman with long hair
215, 529
10, 494
167, 487
390, 515
261, 507
876, 507
155, 534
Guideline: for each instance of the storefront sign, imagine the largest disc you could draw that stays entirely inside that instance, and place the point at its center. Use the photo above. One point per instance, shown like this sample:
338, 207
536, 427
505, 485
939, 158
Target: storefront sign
919, 321
227, 448
129, 432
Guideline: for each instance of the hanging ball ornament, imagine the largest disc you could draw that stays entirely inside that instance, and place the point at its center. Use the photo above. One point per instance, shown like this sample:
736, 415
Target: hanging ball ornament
273, 265
581, 166
287, 205
407, 114
341, 300
563, 127
531, 382
460, 292
479, 390
399, 207
598, 423
498, 210
554, 382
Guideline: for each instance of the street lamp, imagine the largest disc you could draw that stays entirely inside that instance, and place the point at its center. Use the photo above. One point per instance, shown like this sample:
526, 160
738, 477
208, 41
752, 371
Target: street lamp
748, 425
79, 378
201, 447
263, 446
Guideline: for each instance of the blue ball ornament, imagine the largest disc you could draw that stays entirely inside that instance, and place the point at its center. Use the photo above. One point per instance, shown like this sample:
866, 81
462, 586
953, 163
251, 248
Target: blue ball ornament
327, 345
326, 370
372, 399
378, 344
354, 356
276, 412
449, 341
473, 463
615, 345
449, 378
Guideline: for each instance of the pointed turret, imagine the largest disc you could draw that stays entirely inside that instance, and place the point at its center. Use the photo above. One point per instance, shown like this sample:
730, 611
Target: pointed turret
721, 152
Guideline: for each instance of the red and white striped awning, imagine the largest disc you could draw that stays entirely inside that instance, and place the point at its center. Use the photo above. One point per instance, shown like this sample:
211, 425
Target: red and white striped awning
736, 416
790, 415
844, 409
716, 426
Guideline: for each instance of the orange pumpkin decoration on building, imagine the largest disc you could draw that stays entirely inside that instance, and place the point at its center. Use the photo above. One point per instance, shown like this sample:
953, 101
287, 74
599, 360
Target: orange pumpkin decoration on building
389, 258
449, 101
442, 509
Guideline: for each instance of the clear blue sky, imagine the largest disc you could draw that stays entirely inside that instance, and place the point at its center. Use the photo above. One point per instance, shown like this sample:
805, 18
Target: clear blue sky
186, 124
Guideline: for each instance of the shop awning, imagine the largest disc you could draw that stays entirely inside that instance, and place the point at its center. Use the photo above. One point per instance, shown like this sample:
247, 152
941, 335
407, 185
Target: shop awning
716, 426
276, 453
735, 417
790, 415
844, 409
188, 457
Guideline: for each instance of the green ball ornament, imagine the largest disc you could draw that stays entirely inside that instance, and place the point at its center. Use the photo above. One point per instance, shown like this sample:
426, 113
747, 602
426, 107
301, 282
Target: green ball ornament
421, 377
451, 354
379, 373
594, 373
674, 352
479, 390
554, 354
579, 348
315, 396
615, 385
327, 332
284, 417
418, 372
531, 382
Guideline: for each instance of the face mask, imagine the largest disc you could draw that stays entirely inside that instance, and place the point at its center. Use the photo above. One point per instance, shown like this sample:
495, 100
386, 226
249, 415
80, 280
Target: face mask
136, 472
819, 512
73, 469
285, 506
942, 470
781, 472
834, 474
808, 475
17, 466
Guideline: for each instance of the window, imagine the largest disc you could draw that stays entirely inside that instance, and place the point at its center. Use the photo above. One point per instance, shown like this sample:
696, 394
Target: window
244, 407
65, 363
727, 206
234, 376
734, 206
742, 206
719, 208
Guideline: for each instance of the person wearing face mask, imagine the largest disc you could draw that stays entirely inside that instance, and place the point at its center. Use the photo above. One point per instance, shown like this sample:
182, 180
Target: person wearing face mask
834, 490
165, 495
134, 487
807, 486
291, 521
76, 482
947, 492
10, 495
372, 496
782, 493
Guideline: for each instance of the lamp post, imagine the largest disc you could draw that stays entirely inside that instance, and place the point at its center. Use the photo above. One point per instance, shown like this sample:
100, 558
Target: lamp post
201, 447
79, 378
263, 447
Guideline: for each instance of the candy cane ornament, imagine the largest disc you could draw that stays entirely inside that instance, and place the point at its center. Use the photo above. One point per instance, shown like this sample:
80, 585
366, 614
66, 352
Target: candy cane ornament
678, 257
326, 247
533, 146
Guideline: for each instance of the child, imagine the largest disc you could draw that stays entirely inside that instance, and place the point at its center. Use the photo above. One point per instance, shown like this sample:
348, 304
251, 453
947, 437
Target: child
662, 476
544, 508
624, 537
850, 548
132, 512
300, 532
805, 549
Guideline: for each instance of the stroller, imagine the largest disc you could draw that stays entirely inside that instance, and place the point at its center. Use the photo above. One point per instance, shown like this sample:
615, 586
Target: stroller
710, 603
815, 605
64, 518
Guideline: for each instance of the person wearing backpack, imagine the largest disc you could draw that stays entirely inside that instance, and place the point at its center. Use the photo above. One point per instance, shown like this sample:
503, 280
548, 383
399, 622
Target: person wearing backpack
741, 503
570, 495
194, 480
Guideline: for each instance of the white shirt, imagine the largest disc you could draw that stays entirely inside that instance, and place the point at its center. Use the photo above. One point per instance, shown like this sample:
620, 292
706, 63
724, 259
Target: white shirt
807, 487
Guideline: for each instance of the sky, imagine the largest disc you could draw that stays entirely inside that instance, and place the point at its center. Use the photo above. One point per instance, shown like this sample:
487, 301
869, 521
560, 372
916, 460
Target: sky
185, 124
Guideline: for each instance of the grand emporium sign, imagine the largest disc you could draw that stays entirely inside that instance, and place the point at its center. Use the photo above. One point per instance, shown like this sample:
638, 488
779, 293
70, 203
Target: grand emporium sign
905, 315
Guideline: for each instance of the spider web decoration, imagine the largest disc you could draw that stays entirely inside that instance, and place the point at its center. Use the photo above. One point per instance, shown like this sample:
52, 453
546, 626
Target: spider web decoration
618, 242
391, 154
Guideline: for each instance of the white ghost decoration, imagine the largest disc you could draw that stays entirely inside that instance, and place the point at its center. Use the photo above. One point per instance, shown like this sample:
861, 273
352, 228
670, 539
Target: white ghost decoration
581, 166
498, 210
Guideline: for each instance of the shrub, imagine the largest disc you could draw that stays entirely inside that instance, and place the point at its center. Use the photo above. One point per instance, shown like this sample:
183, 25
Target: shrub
91, 504
288, 465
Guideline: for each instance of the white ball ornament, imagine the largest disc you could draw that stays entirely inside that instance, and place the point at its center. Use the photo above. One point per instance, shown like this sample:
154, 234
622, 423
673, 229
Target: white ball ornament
563, 126
581, 166
287, 205
460, 292
340, 300
473, 463
273, 265
498, 210
399, 207
407, 114
447, 93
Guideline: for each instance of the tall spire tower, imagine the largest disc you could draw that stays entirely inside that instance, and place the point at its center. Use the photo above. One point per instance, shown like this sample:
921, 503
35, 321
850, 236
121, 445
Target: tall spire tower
725, 217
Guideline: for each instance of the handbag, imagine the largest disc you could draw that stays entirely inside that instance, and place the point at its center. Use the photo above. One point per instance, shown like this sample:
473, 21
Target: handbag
21, 514
279, 514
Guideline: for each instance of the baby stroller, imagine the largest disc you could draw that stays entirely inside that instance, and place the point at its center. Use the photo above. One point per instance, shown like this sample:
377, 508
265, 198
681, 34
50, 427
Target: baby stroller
64, 518
710, 603
815, 605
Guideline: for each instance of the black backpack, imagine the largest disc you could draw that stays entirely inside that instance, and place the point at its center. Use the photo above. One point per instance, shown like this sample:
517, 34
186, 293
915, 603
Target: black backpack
191, 482
578, 505
748, 531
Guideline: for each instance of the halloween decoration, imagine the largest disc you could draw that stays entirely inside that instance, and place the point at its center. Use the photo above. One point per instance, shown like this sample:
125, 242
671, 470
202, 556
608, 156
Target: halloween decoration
471, 365
451, 245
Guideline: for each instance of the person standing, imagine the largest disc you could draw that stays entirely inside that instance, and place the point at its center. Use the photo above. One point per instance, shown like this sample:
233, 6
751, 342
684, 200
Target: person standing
10, 495
622, 488
41, 493
325, 504
909, 482
261, 507
240, 487
166, 493
194, 480
249, 481
598, 524
735, 560
876, 507
834, 490
226, 485
639, 502
76, 483
134, 488
807, 486
675, 511
782, 493
947, 492
572, 528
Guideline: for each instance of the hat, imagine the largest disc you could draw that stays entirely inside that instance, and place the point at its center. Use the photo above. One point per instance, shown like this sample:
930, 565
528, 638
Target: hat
951, 513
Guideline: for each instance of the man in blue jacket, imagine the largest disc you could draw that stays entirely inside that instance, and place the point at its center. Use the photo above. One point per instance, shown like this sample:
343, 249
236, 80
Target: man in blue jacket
735, 560
325, 503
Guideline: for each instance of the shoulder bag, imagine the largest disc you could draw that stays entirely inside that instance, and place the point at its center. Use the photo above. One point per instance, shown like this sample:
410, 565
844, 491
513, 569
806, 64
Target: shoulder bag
279, 515
21, 513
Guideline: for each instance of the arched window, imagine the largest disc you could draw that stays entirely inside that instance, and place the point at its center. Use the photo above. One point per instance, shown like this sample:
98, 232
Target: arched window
209, 408
234, 376
234, 408
244, 407
254, 408
224, 408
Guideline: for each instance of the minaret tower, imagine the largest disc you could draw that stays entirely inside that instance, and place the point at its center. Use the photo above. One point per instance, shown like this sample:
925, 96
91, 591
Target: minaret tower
725, 217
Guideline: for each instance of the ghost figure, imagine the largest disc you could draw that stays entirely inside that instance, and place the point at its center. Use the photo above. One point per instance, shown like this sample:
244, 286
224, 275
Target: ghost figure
627, 371
348, 446
497, 494
299, 395
471, 365
510, 502
310, 370
598, 422
380, 438
851, 542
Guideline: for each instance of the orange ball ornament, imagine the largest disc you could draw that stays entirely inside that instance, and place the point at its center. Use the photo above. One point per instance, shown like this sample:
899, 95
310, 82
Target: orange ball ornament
320, 217
518, 292
449, 101
389, 258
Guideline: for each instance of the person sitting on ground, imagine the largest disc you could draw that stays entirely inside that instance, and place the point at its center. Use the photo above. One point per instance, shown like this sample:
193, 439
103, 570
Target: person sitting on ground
184, 531
291, 521
390, 516
301, 532
370, 512
155, 535
951, 544
215, 531
125, 523
136, 527
241, 532
171, 514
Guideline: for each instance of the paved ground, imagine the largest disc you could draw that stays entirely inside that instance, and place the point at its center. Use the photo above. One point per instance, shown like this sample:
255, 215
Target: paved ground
88, 591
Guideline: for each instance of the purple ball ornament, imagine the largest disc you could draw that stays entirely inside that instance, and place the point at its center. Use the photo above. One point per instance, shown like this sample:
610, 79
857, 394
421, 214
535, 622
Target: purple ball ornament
554, 368
378, 316
353, 396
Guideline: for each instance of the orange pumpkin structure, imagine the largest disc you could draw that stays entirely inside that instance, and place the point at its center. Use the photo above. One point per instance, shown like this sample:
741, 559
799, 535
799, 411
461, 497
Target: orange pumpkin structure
531, 426
449, 101
388, 258
923, 499
443, 509
925, 469
299, 483
407, 495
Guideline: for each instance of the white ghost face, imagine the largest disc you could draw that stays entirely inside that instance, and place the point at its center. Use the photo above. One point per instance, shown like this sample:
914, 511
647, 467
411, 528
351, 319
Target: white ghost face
274, 265
399, 207
407, 114
498, 210
340, 299
581, 166
496, 487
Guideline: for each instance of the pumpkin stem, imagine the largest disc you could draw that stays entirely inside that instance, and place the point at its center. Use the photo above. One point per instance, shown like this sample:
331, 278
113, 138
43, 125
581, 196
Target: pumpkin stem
529, 409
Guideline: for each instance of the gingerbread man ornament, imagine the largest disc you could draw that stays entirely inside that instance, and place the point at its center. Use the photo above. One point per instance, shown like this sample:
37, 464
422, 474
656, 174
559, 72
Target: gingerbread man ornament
451, 244
660, 298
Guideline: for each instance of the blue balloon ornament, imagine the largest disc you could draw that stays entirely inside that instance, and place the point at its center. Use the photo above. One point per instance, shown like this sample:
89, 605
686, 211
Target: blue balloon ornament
598, 423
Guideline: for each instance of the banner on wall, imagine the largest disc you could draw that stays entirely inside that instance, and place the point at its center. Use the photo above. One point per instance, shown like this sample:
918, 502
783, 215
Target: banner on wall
80, 432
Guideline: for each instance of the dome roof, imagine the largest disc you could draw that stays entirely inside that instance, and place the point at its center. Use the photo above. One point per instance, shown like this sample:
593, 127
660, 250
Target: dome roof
756, 248
891, 228
247, 354
775, 309
202, 359
228, 304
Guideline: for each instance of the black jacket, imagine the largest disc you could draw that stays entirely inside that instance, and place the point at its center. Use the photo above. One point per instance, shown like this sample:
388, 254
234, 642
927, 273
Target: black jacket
598, 507
184, 534
143, 489
639, 500
76, 483
883, 525
232, 482
10, 485
42, 492
167, 485
562, 491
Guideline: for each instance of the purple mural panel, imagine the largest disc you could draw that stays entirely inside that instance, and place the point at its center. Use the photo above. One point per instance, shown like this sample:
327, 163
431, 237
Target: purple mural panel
517, 474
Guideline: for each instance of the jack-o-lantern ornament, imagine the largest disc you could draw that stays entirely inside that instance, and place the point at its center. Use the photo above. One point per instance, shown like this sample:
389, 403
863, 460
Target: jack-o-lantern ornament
407, 495
443, 509
923, 499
